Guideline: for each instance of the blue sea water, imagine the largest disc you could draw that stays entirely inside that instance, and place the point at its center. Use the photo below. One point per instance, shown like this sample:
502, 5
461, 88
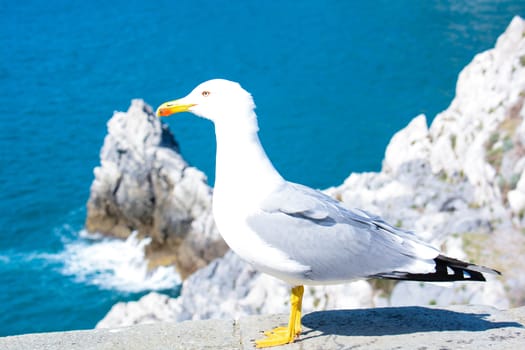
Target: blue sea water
333, 80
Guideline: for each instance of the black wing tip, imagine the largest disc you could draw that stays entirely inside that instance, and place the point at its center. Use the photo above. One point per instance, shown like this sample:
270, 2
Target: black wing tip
466, 266
447, 270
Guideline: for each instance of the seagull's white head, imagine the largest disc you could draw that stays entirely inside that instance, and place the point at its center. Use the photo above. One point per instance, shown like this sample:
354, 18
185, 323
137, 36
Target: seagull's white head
218, 100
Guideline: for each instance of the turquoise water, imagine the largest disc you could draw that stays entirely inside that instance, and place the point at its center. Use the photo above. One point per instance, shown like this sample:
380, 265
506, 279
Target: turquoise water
333, 80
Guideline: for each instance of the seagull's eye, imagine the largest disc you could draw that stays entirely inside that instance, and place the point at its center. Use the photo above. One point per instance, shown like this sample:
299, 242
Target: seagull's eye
205, 93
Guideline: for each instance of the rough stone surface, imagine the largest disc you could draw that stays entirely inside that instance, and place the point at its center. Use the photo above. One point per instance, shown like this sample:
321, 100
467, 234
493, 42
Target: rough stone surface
144, 184
458, 183
459, 327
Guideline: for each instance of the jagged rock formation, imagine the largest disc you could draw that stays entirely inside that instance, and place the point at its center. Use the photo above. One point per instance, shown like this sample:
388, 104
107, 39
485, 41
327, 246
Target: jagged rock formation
144, 184
456, 183
459, 184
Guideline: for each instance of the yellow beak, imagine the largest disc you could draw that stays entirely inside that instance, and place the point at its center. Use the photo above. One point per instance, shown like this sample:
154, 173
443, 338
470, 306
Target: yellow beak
172, 107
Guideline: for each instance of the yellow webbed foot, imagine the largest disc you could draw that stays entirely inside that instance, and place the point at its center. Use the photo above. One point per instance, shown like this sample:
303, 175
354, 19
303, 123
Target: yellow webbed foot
279, 337
279, 330
285, 335
275, 330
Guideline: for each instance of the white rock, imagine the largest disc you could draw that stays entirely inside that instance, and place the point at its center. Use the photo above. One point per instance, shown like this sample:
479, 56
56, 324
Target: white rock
517, 197
409, 144
415, 293
144, 184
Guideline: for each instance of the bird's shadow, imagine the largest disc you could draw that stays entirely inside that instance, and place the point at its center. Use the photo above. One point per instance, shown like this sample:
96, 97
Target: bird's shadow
398, 320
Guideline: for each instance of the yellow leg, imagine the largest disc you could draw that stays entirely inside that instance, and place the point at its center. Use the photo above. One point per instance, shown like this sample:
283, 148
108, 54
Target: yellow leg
285, 335
299, 312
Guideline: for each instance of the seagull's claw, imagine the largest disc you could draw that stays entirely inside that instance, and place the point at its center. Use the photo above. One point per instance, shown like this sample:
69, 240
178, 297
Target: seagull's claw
276, 336
285, 335
281, 330
275, 331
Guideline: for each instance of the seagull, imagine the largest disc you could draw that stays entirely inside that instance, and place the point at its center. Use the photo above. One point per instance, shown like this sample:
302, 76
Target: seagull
295, 233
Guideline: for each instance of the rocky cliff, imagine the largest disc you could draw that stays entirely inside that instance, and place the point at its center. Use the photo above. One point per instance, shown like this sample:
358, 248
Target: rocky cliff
144, 185
458, 183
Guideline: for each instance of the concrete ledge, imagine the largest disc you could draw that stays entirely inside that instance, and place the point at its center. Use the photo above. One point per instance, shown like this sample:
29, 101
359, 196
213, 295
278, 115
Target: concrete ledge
465, 327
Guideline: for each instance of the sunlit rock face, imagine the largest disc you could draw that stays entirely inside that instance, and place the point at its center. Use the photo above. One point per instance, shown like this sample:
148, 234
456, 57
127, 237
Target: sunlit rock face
144, 184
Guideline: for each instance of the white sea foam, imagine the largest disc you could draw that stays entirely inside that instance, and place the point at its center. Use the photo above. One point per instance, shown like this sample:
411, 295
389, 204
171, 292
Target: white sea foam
114, 264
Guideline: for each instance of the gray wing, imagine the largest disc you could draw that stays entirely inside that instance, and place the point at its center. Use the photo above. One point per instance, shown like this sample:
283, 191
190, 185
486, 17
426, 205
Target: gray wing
336, 243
